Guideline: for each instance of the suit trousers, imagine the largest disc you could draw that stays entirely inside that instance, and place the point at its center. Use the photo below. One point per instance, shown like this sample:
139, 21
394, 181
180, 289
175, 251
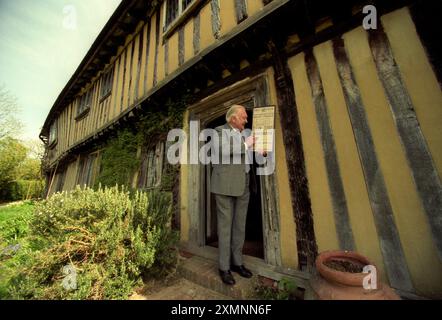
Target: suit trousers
231, 215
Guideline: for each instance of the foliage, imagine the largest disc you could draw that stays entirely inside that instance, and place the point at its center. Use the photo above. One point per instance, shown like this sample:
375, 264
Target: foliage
156, 123
119, 160
29, 169
20, 175
24, 190
9, 124
111, 238
14, 219
282, 290
14, 246
12, 154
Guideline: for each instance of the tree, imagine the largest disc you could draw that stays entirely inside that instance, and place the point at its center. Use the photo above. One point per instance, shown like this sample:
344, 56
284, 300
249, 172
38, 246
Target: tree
9, 124
36, 148
12, 155
20, 171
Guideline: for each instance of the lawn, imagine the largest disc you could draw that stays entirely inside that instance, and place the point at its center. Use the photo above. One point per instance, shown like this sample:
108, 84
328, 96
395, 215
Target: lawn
14, 246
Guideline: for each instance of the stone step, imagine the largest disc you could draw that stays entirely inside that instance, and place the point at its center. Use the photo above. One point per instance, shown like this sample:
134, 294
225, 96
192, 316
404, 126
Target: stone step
204, 272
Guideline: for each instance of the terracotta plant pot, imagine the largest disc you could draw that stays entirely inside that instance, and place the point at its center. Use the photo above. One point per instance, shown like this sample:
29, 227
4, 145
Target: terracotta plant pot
340, 277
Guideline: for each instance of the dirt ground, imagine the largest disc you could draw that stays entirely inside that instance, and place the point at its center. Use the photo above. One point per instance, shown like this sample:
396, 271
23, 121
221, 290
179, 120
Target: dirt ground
176, 288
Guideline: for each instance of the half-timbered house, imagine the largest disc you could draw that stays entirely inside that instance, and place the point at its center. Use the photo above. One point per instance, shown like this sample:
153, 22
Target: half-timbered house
358, 139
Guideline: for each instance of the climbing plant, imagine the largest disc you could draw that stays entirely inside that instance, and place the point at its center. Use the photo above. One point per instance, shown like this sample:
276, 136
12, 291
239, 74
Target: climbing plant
119, 160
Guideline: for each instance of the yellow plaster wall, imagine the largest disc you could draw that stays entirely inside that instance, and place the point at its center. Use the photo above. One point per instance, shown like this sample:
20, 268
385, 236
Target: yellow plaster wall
410, 218
206, 34
253, 7
323, 219
141, 84
358, 203
419, 78
415, 234
133, 77
173, 53
289, 251
228, 16
188, 40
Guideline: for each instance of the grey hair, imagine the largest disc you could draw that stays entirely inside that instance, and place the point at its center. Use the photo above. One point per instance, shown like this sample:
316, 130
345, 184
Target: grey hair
233, 111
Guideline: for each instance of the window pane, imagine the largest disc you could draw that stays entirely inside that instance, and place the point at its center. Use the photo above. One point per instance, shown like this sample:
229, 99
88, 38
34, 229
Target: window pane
172, 11
52, 133
186, 3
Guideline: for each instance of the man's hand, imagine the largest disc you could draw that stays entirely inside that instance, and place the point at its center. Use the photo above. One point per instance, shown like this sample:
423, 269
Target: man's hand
262, 152
250, 141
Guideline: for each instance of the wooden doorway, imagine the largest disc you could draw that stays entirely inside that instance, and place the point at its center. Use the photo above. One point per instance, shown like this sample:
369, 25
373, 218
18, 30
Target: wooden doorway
208, 113
253, 245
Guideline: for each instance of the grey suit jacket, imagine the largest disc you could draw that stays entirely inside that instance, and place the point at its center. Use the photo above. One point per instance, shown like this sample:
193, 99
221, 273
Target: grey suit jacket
229, 179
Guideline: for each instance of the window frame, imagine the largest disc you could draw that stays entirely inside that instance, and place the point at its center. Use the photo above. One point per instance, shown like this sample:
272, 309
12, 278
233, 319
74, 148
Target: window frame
107, 81
88, 168
152, 157
53, 128
170, 26
85, 103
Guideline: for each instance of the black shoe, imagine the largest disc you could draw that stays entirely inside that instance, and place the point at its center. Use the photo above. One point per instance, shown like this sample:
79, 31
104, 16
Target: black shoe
226, 277
243, 271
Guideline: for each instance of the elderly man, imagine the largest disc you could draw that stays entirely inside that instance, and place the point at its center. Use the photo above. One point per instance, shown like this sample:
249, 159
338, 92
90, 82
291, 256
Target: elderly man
230, 184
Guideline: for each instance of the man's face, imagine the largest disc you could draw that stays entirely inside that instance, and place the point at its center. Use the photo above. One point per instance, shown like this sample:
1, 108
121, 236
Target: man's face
239, 120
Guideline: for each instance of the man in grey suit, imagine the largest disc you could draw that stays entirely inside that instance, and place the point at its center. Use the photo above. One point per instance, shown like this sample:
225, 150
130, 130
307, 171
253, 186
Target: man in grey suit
230, 184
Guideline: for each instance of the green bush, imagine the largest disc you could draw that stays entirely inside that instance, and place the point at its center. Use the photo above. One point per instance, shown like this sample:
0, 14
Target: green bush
109, 237
26, 189
280, 290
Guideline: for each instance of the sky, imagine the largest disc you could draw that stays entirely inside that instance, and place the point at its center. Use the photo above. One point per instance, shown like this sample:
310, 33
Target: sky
41, 45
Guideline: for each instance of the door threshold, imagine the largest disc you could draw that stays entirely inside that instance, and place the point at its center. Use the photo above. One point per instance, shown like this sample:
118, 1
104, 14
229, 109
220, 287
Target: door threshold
256, 265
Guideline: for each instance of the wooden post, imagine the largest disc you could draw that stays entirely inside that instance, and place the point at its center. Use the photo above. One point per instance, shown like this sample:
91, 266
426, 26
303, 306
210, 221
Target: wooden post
305, 235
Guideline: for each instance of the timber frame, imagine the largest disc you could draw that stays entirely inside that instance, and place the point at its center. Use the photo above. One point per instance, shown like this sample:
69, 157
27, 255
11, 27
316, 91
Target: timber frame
258, 58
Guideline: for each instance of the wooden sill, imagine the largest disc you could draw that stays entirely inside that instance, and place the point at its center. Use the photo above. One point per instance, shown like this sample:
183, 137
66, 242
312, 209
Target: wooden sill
168, 31
105, 96
53, 144
82, 114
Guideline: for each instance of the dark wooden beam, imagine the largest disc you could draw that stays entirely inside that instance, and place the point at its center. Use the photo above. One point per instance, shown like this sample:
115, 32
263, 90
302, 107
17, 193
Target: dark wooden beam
299, 191
339, 201
419, 157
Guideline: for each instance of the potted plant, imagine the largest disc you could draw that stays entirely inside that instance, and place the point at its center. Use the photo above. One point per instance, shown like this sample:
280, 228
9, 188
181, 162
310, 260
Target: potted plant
347, 275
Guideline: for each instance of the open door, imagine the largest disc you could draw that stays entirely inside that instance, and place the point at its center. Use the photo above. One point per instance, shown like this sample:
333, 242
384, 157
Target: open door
262, 225
253, 245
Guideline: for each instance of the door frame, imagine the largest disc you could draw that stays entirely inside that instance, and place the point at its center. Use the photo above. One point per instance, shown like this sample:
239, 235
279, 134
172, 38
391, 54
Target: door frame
204, 111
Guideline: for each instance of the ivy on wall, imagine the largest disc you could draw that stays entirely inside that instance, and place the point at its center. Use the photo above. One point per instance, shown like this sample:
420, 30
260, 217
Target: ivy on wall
119, 160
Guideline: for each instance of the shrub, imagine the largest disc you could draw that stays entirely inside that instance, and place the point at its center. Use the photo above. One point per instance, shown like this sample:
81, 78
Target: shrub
111, 239
25, 190
284, 289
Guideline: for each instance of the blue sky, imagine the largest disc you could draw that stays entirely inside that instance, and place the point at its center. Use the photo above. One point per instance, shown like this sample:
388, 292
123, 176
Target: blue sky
42, 42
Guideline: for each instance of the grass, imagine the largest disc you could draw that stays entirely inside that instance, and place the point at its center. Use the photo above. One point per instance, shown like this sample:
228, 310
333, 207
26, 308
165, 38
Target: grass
14, 220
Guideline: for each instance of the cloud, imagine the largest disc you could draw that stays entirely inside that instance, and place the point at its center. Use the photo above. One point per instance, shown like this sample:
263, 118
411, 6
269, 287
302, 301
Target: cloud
39, 55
